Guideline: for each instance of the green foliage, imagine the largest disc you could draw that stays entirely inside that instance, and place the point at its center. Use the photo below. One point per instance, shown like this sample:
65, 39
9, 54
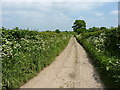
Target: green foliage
112, 42
118, 27
79, 26
57, 31
17, 28
93, 29
103, 28
80, 30
104, 49
25, 53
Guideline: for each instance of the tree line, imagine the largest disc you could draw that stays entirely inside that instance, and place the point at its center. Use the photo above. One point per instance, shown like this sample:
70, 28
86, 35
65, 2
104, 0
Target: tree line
79, 26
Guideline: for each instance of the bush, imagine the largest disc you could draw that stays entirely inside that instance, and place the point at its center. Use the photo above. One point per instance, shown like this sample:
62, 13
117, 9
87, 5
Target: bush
25, 53
57, 31
103, 47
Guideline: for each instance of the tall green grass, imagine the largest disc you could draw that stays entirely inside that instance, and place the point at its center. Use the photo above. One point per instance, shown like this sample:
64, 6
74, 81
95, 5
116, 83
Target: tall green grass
104, 49
25, 53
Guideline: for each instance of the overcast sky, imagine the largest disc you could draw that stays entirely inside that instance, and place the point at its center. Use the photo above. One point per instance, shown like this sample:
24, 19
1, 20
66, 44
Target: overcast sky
58, 14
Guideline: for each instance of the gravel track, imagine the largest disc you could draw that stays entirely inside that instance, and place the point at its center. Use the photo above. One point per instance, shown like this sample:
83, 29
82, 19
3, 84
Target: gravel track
71, 69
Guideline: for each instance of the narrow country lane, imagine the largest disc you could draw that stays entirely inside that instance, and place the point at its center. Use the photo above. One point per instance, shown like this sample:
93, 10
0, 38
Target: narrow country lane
71, 69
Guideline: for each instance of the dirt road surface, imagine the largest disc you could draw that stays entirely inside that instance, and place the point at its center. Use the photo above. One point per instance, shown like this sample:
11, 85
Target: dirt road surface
71, 69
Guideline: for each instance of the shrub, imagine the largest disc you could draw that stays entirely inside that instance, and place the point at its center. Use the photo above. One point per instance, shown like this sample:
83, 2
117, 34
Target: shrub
104, 49
25, 53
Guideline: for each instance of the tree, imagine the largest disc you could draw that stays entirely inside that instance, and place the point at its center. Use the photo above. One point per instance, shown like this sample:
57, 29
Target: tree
79, 26
103, 28
57, 31
118, 27
3, 28
93, 29
16, 28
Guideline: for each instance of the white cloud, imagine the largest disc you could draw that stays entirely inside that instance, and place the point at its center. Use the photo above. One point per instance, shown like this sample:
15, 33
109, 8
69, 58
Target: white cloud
60, 0
60, 18
50, 6
47, 15
99, 14
114, 12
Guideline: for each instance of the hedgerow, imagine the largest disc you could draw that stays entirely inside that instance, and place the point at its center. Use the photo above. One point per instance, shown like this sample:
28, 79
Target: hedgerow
25, 53
103, 47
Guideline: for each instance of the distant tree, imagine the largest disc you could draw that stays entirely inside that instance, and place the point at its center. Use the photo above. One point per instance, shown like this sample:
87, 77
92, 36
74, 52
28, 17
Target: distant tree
66, 31
103, 28
81, 30
3, 28
79, 26
48, 31
57, 31
111, 27
93, 29
118, 27
16, 28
